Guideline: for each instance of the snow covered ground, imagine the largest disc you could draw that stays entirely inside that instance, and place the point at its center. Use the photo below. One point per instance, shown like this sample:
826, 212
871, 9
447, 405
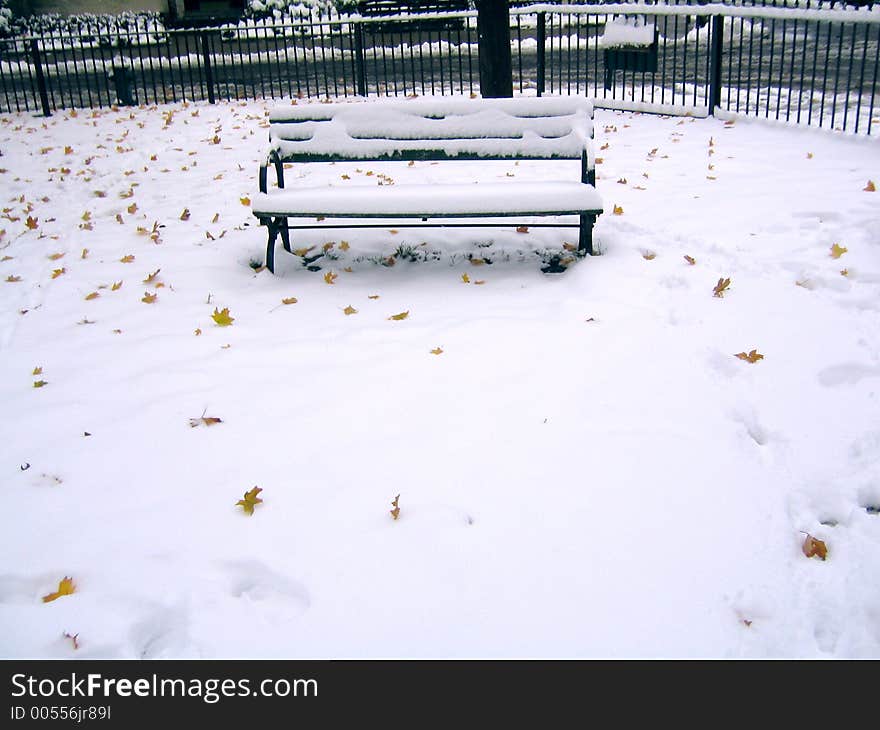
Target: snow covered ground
585, 470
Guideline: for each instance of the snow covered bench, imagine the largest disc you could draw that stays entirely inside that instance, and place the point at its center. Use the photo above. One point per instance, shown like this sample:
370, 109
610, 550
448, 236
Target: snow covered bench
437, 129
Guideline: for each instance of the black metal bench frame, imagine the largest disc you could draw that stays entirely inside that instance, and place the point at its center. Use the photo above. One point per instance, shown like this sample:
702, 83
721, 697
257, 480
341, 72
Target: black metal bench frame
277, 222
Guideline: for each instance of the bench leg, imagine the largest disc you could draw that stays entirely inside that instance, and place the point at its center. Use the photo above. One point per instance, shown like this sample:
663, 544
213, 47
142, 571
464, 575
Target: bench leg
274, 229
285, 234
585, 242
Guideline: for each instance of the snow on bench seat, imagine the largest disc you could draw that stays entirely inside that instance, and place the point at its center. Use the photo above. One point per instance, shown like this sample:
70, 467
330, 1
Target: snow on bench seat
544, 106
436, 201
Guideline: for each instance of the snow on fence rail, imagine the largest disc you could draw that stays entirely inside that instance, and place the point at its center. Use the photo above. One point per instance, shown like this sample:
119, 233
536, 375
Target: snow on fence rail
807, 65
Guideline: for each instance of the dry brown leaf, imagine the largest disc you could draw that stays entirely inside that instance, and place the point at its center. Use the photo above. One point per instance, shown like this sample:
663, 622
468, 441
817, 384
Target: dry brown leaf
870, 187
148, 298
204, 420
721, 287
437, 351
58, 272
127, 259
522, 229
289, 300
838, 251
92, 295
395, 512
618, 210
350, 310
400, 316
814, 547
184, 216
690, 259
753, 356
649, 255
330, 277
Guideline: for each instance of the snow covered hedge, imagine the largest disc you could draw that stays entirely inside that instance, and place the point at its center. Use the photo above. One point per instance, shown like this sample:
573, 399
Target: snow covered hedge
259, 9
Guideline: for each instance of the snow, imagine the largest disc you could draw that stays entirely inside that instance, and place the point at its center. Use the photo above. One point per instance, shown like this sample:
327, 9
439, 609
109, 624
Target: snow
586, 470
627, 33
479, 198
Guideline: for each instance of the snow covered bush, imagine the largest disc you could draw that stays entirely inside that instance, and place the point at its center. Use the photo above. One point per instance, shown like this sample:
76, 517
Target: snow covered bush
622, 32
5, 19
259, 9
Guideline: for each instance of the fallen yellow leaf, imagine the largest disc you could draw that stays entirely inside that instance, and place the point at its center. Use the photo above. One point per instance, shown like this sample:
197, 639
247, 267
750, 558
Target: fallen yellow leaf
250, 500
401, 315
222, 318
838, 251
65, 588
350, 310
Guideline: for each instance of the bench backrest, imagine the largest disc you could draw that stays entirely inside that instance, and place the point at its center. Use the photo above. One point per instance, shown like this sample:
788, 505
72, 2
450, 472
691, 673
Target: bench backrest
436, 128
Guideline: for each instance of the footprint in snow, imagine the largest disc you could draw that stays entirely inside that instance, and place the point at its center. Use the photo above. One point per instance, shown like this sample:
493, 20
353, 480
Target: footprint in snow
255, 581
847, 374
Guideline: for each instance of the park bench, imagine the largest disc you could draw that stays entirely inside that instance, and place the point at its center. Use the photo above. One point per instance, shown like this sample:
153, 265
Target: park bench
435, 129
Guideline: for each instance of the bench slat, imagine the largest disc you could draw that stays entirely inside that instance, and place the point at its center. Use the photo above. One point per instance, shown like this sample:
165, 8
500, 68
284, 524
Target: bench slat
333, 147
397, 124
437, 107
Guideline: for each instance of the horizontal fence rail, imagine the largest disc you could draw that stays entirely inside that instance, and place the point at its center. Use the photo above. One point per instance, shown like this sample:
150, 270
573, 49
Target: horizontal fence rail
799, 61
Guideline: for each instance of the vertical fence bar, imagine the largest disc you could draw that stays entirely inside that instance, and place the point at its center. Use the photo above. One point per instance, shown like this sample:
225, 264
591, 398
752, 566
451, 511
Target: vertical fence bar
209, 71
41, 79
541, 32
716, 52
360, 65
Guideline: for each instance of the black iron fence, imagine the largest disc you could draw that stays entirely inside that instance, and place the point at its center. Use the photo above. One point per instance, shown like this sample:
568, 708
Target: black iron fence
799, 64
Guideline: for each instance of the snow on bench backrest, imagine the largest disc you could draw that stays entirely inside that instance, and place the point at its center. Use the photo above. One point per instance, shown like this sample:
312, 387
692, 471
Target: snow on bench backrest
435, 128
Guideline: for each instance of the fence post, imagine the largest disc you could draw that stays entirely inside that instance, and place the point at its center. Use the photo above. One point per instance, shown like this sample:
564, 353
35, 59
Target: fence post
41, 79
715, 52
493, 33
360, 64
209, 72
542, 38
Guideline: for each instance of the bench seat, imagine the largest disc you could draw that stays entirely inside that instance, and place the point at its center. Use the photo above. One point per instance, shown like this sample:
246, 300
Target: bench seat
432, 201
